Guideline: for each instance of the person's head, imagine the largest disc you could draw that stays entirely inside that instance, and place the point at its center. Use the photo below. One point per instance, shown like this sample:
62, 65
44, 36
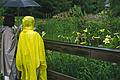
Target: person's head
9, 20
28, 22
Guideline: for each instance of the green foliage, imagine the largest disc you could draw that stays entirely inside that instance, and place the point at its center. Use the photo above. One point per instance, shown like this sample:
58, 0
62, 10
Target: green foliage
99, 29
82, 68
1, 11
90, 6
1, 20
115, 7
60, 29
91, 30
102, 30
76, 12
96, 31
55, 5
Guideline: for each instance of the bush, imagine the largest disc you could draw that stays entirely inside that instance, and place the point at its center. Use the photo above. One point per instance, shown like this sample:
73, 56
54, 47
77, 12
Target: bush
101, 30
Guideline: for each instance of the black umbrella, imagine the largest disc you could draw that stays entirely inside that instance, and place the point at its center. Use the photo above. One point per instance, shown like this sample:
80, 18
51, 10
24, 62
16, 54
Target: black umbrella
20, 3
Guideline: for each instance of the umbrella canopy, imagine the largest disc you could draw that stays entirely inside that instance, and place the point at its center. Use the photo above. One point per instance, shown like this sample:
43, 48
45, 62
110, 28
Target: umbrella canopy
20, 3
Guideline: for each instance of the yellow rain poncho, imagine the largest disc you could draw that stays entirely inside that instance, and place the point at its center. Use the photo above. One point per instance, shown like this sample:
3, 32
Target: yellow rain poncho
30, 57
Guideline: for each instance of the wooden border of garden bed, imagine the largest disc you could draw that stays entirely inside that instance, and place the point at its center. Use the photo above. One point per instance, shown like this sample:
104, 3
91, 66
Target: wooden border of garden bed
86, 51
53, 75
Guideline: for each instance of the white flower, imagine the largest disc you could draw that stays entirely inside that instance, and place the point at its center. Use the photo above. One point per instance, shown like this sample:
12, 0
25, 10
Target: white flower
73, 32
106, 41
77, 40
43, 33
102, 30
78, 33
108, 36
59, 36
86, 30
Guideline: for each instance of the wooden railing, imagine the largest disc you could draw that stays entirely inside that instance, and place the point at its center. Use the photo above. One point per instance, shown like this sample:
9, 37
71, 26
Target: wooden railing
86, 51
53, 75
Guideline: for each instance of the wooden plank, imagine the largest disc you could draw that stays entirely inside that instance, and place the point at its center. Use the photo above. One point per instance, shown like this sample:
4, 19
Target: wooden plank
105, 56
86, 51
53, 75
68, 48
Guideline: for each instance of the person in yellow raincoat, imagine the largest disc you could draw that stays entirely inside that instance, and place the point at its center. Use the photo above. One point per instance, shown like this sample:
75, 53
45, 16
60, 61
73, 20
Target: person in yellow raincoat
30, 57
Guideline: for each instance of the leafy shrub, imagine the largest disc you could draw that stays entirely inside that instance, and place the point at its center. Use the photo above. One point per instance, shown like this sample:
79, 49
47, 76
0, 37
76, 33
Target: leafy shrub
77, 27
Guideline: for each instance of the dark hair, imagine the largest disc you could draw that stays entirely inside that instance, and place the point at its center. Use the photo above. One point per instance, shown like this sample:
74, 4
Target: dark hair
9, 20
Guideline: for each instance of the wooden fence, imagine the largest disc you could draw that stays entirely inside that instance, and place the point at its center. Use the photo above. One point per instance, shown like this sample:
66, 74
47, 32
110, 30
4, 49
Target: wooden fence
86, 51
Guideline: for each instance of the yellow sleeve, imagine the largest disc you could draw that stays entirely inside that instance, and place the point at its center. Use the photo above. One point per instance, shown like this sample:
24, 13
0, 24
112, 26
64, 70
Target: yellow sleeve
18, 56
43, 65
42, 50
43, 72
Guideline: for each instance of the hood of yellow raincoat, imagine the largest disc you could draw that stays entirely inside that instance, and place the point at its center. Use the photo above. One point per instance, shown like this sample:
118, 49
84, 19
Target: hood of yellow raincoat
28, 23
